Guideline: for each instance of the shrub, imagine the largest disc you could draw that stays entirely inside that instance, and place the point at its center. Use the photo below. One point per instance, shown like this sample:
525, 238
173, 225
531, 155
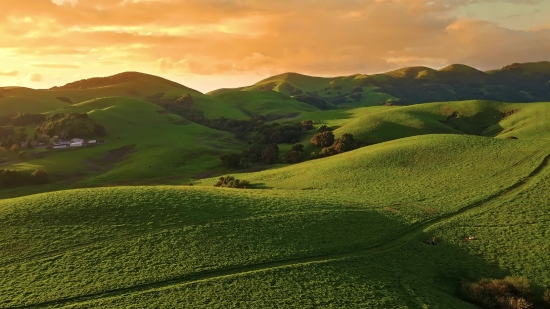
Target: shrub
232, 182
21, 154
39, 177
509, 293
546, 296
15, 147
323, 139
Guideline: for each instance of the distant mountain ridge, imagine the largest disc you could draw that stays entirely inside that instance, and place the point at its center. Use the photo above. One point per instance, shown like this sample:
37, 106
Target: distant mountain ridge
518, 82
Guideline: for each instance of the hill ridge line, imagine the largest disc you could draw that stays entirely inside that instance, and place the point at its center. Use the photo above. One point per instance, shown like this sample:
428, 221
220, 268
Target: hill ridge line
244, 269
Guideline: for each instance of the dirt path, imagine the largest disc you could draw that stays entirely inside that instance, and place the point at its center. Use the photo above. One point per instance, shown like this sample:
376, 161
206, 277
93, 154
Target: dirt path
404, 238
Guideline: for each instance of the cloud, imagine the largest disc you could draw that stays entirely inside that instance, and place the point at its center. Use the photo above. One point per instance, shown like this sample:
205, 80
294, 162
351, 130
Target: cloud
54, 66
34, 77
9, 73
330, 37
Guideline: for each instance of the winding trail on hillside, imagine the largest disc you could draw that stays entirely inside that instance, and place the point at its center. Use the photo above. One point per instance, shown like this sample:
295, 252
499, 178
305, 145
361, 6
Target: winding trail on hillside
404, 238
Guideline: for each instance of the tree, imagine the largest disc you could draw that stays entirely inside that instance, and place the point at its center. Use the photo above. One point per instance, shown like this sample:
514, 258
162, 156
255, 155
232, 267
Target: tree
345, 143
231, 160
307, 124
291, 157
39, 177
323, 139
298, 147
270, 154
324, 128
546, 295
328, 151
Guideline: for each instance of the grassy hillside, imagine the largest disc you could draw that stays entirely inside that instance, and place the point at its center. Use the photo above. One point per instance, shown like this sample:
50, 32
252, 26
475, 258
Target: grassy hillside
143, 142
347, 231
335, 90
266, 103
484, 118
26, 100
519, 82
344, 231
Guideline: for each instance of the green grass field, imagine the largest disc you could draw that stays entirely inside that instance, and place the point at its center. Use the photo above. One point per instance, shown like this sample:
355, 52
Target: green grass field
137, 222
353, 238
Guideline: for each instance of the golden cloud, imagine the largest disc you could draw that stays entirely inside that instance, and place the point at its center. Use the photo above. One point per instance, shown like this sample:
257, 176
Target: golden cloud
257, 36
34, 77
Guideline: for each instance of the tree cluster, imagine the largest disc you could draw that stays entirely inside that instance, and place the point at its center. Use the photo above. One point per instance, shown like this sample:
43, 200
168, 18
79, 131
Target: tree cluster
14, 178
71, 125
313, 101
232, 182
332, 146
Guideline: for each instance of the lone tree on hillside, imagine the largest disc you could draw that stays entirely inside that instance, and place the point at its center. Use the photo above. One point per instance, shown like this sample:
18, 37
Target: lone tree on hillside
323, 139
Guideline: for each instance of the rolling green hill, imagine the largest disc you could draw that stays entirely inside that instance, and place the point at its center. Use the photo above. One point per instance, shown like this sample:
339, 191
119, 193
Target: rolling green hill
345, 231
144, 141
136, 221
525, 82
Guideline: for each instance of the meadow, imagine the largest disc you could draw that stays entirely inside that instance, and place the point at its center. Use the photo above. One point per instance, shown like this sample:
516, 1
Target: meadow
137, 222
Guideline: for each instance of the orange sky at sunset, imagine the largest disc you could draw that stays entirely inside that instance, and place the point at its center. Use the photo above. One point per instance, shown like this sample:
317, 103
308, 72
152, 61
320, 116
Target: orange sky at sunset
209, 44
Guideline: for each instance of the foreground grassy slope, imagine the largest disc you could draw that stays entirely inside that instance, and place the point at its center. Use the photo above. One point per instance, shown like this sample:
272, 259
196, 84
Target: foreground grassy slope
143, 142
344, 231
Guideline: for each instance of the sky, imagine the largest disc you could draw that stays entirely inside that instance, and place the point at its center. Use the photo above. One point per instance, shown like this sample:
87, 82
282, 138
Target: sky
212, 44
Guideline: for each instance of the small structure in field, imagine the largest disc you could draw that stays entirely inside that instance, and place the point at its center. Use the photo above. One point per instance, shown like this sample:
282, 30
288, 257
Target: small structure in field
59, 146
24, 143
92, 141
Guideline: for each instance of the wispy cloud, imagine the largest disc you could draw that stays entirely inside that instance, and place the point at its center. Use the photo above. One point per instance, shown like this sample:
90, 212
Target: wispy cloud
9, 73
54, 66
